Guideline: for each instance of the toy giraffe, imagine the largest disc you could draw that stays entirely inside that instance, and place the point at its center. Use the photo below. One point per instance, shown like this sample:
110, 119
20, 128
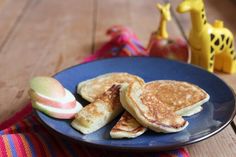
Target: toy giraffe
212, 46
165, 16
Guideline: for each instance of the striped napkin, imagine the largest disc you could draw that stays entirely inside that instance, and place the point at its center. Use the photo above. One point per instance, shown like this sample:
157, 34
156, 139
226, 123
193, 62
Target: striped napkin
23, 135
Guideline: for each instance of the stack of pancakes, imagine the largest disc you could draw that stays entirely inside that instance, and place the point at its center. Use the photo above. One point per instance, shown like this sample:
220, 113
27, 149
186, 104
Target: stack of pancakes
157, 105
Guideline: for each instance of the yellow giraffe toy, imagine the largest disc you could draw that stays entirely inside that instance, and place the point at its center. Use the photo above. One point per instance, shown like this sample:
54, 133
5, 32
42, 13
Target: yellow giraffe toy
165, 16
212, 46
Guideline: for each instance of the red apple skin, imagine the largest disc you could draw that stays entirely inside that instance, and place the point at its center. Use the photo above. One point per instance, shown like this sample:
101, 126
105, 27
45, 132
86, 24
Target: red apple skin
59, 115
34, 96
62, 115
169, 48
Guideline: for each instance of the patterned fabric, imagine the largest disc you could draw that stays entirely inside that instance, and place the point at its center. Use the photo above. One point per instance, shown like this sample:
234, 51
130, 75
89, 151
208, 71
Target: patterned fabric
123, 42
28, 137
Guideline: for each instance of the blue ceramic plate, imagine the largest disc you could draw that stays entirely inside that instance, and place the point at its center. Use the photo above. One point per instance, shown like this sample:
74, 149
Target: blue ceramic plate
216, 115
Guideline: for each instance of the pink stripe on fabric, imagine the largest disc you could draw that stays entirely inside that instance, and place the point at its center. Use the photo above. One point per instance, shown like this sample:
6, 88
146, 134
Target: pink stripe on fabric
3, 150
7, 145
26, 145
184, 152
19, 149
21, 145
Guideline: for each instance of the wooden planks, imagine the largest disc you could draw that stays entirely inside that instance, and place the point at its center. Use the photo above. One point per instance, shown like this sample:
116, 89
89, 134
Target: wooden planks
50, 36
10, 14
221, 145
141, 16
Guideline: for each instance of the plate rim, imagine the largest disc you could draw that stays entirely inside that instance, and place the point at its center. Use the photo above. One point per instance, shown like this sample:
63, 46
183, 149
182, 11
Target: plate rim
140, 148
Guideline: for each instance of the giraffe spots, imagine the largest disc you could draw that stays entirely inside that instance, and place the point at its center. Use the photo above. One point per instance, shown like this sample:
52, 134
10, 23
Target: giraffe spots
222, 37
202, 9
203, 16
212, 49
205, 22
227, 41
231, 44
161, 12
217, 42
211, 64
222, 47
212, 36
212, 57
232, 52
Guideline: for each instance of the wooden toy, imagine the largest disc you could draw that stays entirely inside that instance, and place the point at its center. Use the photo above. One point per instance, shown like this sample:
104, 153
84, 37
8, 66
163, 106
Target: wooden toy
212, 46
160, 45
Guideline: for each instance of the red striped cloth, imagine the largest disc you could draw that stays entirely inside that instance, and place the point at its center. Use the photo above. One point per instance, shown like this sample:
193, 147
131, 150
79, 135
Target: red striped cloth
24, 136
29, 138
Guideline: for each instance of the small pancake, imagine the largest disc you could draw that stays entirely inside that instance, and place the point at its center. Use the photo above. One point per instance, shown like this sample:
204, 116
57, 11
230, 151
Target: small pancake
127, 127
149, 111
184, 98
100, 112
91, 89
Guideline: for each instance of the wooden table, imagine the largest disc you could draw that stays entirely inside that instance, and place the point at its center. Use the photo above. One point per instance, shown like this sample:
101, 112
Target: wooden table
42, 37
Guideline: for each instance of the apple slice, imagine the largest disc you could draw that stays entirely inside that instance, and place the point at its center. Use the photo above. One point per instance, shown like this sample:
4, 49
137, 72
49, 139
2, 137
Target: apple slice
57, 112
47, 86
66, 102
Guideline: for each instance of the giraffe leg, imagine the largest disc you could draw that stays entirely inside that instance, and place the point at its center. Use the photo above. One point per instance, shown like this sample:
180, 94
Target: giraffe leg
207, 60
194, 57
219, 61
207, 64
229, 65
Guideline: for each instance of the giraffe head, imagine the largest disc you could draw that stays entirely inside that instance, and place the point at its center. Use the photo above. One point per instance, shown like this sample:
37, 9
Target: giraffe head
190, 5
165, 11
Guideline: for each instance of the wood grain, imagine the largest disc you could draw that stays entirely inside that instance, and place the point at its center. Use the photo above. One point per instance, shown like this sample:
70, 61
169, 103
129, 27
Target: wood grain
11, 12
141, 16
48, 38
42, 37
221, 145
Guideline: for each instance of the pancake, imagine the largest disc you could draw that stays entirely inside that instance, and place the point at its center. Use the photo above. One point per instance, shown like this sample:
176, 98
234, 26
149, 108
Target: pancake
100, 112
183, 104
127, 127
149, 111
91, 89
184, 98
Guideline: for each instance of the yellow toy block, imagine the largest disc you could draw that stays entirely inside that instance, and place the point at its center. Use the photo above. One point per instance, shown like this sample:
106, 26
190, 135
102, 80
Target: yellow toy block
212, 46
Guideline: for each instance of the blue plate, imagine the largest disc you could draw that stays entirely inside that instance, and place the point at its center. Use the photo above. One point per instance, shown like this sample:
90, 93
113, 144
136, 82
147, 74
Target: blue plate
216, 114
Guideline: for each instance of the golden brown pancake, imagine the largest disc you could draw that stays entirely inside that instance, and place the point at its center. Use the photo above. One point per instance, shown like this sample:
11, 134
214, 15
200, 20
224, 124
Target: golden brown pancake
127, 127
149, 111
184, 98
100, 112
91, 89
